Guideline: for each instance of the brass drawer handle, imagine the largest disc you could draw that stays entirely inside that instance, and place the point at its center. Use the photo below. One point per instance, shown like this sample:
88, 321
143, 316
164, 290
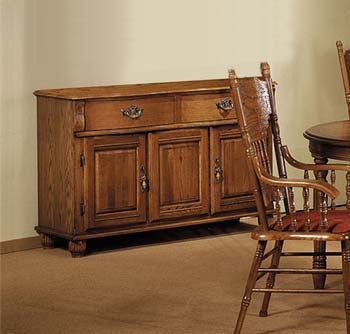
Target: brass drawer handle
225, 104
217, 171
133, 112
144, 183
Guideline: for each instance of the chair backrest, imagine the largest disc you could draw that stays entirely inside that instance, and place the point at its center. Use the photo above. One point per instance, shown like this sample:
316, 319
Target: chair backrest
256, 111
255, 105
344, 61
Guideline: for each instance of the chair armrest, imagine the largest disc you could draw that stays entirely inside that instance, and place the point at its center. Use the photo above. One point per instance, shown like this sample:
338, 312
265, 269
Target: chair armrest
300, 165
322, 186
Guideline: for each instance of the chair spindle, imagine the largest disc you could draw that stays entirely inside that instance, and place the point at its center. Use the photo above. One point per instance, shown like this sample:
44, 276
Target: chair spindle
348, 190
323, 211
260, 148
292, 210
278, 209
333, 179
306, 195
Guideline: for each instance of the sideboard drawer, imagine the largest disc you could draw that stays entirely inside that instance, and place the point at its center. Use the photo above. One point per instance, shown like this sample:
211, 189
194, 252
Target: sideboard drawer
203, 107
129, 113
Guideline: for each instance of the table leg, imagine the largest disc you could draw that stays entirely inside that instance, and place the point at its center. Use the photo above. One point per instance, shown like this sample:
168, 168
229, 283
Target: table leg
320, 260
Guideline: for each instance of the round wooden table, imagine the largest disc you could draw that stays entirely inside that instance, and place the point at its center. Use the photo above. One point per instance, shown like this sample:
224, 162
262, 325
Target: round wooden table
327, 141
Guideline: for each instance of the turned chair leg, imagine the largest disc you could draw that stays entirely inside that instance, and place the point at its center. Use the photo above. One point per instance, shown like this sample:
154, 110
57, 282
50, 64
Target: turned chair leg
270, 282
319, 262
260, 250
346, 280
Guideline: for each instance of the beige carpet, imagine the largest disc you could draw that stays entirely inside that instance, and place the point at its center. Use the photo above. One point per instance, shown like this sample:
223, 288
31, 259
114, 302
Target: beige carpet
179, 281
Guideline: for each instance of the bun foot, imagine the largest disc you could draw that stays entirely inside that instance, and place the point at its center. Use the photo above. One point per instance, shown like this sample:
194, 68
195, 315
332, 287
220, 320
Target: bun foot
77, 248
47, 241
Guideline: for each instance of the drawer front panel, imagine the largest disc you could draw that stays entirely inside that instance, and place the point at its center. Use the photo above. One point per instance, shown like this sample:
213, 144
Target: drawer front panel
203, 107
130, 113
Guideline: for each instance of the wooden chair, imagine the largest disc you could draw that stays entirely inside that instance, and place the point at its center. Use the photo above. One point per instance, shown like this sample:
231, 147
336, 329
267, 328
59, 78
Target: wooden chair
344, 60
256, 112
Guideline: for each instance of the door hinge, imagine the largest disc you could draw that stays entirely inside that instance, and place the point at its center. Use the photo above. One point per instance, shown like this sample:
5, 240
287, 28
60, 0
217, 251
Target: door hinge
82, 160
82, 209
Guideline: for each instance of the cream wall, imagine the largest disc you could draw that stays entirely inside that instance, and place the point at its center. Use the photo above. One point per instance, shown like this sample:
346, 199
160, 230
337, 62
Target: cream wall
61, 43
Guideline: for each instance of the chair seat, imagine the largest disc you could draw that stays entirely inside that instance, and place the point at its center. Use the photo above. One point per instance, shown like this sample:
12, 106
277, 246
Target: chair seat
338, 221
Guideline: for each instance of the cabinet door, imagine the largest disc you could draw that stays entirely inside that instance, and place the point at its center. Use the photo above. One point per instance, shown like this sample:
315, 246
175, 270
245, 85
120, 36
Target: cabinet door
178, 165
230, 185
114, 167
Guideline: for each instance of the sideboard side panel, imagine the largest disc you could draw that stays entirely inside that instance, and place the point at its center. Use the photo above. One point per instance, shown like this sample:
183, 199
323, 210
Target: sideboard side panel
55, 164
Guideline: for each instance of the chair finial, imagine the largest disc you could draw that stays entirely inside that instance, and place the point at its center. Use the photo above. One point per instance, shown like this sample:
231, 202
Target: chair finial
232, 73
339, 45
265, 69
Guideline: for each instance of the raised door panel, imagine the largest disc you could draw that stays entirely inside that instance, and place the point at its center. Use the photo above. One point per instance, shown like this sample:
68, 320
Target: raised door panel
230, 184
115, 166
178, 165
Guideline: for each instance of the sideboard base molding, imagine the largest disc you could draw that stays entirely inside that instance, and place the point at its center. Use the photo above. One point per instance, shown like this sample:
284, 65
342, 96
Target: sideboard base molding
152, 227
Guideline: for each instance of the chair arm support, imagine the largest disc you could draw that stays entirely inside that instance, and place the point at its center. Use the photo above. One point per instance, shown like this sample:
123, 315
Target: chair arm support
300, 165
322, 186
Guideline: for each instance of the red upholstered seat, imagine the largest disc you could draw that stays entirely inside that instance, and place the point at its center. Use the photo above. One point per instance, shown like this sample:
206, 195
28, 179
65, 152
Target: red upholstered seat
338, 221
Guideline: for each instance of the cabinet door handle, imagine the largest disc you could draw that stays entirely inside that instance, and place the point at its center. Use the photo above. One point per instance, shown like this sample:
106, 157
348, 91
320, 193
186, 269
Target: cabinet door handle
217, 171
132, 112
144, 183
225, 104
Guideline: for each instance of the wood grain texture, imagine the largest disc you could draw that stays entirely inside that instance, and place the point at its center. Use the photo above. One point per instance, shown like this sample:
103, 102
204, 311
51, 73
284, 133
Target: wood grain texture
103, 92
80, 185
77, 248
107, 114
333, 133
345, 247
255, 101
178, 173
79, 116
114, 195
233, 216
145, 129
347, 63
232, 189
344, 61
55, 164
18, 245
330, 140
202, 107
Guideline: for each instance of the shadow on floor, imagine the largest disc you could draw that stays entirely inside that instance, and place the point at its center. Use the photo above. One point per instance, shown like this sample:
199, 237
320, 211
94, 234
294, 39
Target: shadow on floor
173, 235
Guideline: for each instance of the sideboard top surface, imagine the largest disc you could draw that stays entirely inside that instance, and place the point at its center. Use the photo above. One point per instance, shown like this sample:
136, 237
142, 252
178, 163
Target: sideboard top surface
85, 93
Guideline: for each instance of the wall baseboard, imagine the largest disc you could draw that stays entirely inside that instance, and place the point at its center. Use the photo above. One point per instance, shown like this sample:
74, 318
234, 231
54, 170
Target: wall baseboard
19, 245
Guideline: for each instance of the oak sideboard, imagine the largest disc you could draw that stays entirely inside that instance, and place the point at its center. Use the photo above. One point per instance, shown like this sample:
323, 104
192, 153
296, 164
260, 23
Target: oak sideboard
130, 158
